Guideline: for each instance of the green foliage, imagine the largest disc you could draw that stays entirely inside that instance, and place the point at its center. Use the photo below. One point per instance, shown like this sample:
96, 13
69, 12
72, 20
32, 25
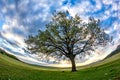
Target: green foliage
68, 36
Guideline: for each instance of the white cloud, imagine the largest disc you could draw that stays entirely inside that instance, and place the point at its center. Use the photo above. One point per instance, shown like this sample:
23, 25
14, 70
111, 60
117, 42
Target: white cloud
116, 25
4, 10
115, 6
107, 13
109, 30
12, 6
8, 31
98, 4
107, 2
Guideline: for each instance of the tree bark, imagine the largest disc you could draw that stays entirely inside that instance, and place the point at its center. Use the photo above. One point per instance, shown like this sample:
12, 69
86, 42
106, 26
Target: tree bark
72, 59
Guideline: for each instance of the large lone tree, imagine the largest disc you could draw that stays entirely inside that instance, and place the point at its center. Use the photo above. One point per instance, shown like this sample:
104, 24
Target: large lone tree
68, 36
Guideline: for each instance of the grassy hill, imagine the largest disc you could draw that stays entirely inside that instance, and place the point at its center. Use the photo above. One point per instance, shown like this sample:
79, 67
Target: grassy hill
12, 69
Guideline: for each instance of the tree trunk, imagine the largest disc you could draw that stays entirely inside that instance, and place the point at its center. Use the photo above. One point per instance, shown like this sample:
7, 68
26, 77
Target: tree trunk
72, 59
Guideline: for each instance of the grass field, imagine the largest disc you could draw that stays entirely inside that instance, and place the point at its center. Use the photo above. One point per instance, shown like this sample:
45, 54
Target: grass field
12, 69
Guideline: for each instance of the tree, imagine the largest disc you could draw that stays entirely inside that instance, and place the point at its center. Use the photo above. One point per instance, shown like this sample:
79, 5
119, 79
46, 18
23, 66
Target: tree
68, 36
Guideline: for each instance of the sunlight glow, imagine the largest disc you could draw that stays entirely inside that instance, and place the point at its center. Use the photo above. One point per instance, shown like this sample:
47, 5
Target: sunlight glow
65, 63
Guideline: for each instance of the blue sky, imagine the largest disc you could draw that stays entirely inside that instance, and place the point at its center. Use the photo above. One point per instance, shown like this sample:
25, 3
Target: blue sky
20, 18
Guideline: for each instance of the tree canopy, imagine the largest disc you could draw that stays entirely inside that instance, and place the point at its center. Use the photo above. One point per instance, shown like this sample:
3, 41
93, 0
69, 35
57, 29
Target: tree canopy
68, 36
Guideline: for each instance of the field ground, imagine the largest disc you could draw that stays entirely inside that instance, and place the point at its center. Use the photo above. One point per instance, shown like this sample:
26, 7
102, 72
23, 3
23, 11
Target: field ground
12, 69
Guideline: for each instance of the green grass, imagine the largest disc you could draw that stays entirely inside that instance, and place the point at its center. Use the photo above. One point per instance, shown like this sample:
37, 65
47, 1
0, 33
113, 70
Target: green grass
12, 69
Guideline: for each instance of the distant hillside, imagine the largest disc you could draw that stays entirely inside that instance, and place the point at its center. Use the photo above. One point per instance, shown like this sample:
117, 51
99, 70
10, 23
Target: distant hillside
117, 50
2, 51
5, 53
